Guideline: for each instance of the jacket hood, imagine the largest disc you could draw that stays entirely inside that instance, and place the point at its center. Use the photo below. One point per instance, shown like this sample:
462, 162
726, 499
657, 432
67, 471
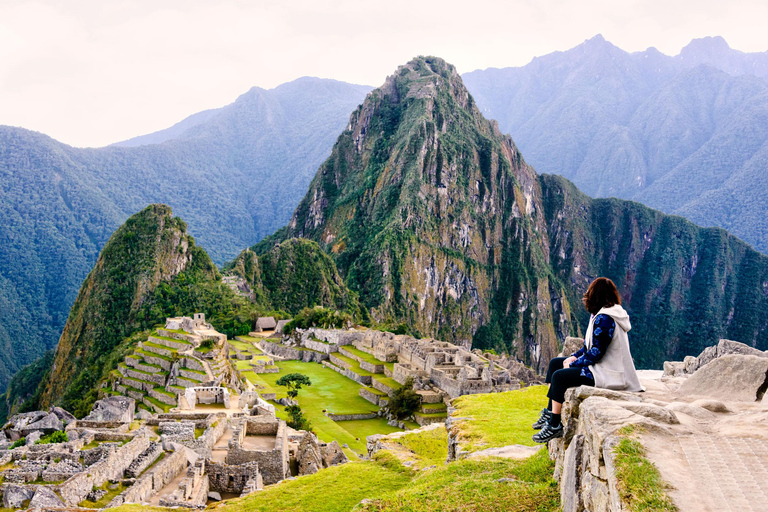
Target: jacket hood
619, 315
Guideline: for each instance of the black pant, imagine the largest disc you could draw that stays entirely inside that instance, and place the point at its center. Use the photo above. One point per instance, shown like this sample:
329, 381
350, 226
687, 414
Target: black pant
560, 379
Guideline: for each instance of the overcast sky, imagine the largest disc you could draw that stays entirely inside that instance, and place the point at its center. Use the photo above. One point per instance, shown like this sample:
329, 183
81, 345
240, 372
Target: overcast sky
93, 72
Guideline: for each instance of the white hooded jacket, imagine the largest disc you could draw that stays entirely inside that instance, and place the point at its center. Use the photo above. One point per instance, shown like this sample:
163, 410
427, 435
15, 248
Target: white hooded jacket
615, 370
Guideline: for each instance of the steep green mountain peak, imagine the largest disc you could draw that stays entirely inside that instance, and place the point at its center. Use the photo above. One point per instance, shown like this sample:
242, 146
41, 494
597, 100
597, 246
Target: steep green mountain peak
428, 208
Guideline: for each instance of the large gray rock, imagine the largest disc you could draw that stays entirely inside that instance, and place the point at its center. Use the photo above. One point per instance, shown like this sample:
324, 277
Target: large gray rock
63, 415
14, 496
709, 354
45, 498
47, 424
571, 345
732, 377
333, 455
113, 409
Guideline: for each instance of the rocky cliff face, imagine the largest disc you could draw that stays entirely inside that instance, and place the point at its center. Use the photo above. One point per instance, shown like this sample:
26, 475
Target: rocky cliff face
435, 219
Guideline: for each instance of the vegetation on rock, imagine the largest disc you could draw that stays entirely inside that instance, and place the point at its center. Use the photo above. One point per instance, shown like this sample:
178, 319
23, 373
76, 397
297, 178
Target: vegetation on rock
404, 401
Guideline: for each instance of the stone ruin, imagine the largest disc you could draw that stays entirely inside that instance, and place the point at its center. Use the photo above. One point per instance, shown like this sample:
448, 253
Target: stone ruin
130, 450
382, 361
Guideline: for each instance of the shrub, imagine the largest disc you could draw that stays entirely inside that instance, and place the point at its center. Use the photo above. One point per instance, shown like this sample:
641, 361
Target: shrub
55, 437
17, 443
207, 344
318, 317
296, 418
404, 401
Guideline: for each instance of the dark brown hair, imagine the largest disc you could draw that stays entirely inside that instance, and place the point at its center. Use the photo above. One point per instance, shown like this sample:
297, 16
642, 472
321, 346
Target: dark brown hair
602, 293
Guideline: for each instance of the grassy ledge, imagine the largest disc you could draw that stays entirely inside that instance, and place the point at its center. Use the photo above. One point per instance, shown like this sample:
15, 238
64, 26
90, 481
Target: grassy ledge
640, 484
498, 419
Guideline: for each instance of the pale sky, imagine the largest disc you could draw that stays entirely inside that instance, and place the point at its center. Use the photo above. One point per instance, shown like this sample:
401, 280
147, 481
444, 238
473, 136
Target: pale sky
93, 72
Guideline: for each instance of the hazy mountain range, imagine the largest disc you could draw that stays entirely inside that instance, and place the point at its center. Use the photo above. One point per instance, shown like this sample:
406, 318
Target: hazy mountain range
686, 134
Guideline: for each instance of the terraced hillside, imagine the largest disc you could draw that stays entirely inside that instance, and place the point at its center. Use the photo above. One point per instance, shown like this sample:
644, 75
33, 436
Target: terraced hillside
159, 370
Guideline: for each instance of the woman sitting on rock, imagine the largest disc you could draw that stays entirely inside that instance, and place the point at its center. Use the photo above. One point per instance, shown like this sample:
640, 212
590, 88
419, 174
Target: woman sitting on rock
604, 361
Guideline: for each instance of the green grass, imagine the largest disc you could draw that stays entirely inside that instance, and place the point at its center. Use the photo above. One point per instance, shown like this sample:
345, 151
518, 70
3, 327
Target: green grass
174, 340
257, 381
388, 381
499, 419
198, 372
639, 481
429, 448
333, 392
368, 358
441, 407
336, 489
163, 391
375, 391
471, 485
250, 339
163, 407
364, 428
155, 345
245, 347
353, 365
111, 493
144, 353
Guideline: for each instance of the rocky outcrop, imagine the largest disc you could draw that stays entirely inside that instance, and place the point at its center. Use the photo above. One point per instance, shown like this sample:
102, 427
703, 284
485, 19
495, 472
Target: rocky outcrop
584, 456
113, 409
725, 347
732, 377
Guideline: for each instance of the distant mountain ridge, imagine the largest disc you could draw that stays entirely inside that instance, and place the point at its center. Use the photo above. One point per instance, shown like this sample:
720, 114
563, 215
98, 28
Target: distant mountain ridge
235, 177
684, 134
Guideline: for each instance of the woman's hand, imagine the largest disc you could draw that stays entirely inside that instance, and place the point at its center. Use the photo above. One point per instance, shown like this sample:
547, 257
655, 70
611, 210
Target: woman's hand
567, 362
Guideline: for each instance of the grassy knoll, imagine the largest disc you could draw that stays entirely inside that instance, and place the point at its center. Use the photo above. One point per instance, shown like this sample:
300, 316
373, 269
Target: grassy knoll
365, 356
472, 485
336, 489
499, 419
332, 392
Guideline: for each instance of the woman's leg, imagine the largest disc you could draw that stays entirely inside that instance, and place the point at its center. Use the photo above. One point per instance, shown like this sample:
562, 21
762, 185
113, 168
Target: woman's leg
555, 364
562, 380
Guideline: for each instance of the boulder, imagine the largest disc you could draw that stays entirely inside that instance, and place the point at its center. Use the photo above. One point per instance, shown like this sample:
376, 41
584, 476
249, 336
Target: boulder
63, 415
33, 438
693, 411
308, 455
14, 496
725, 347
113, 409
45, 498
712, 405
333, 455
47, 424
731, 377
214, 496
144, 414
571, 345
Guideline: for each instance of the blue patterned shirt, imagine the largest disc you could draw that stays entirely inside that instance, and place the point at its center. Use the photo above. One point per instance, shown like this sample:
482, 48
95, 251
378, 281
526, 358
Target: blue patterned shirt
602, 334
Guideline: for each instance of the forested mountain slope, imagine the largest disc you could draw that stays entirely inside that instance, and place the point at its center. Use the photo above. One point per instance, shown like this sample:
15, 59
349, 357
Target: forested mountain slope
235, 177
435, 218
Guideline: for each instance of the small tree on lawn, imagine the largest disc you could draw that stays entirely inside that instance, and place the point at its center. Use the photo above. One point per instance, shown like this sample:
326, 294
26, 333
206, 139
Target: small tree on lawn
404, 401
293, 381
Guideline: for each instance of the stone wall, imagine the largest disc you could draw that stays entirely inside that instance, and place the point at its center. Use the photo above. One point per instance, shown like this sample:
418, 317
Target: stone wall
233, 479
401, 372
162, 397
361, 379
177, 431
292, 353
584, 458
261, 426
204, 444
273, 464
144, 460
154, 480
351, 417
371, 397
111, 467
